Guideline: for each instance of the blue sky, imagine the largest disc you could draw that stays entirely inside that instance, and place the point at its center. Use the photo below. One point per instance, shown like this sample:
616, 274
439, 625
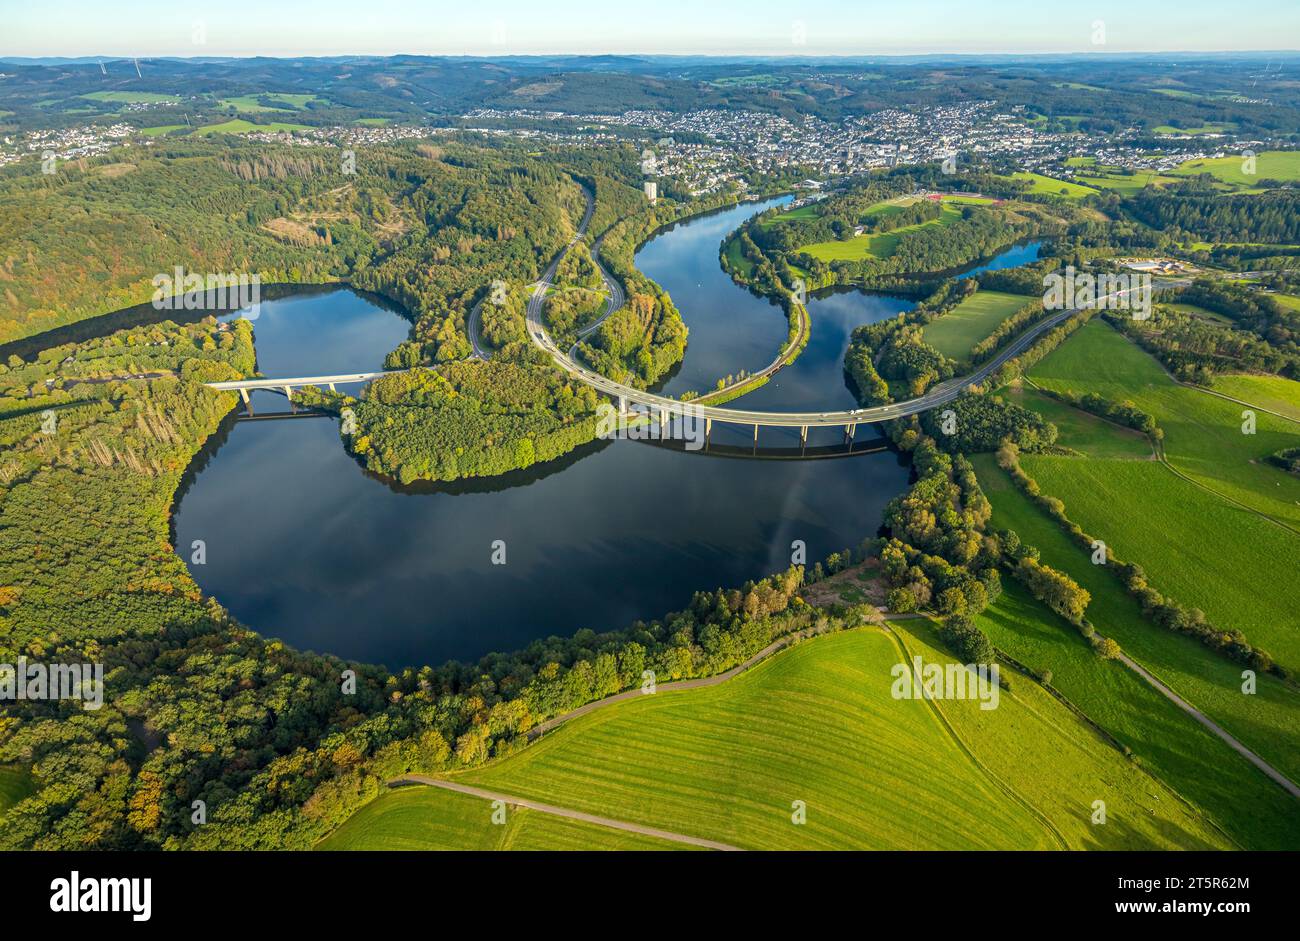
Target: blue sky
503, 27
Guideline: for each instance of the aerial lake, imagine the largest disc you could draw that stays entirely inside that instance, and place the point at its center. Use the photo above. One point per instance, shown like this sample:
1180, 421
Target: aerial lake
304, 545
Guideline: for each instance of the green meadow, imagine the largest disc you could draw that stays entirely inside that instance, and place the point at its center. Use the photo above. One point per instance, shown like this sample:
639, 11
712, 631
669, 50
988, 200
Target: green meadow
817, 723
792, 215
880, 245
1235, 566
1203, 129
1124, 183
131, 97
1163, 739
240, 126
972, 320
1046, 184
428, 818
1271, 392
1204, 437
1269, 165
250, 104
1084, 432
1215, 526
162, 129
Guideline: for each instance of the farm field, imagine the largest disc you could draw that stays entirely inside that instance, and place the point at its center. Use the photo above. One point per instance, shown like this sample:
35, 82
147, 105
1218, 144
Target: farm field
1269, 165
427, 818
972, 320
1203, 433
1054, 187
240, 126
879, 245
1164, 739
1271, 392
879, 772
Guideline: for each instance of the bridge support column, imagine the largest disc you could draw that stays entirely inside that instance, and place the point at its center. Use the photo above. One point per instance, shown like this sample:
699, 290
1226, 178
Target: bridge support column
755, 436
803, 436
288, 394
708, 430
243, 394
332, 389
622, 406
848, 434
663, 423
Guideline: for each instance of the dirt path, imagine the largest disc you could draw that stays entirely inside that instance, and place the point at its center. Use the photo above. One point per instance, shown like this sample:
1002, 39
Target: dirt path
564, 812
699, 683
1210, 724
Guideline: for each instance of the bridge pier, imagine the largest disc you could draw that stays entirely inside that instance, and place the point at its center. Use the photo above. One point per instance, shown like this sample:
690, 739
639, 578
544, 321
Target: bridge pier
803, 437
663, 424
248, 405
288, 394
708, 430
622, 406
332, 389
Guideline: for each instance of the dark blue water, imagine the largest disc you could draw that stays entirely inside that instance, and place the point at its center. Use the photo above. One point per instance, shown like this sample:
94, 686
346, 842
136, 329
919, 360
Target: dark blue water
303, 545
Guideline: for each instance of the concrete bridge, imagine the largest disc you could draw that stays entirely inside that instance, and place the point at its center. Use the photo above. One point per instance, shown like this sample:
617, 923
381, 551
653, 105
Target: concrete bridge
286, 386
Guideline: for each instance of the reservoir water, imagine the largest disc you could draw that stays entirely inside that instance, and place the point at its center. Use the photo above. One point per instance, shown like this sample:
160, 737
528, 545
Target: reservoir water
304, 545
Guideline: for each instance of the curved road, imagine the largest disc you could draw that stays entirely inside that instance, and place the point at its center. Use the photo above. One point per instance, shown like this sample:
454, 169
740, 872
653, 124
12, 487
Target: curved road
940, 394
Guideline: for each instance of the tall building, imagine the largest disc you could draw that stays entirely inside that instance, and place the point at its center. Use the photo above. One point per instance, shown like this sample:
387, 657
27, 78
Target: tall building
652, 191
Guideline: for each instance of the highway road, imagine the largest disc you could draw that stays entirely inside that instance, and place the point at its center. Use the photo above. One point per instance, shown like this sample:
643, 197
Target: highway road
941, 394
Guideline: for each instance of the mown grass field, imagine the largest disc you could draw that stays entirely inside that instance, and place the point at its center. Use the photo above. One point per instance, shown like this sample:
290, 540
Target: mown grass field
1200, 766
880, 245
1046, 184
1269, 165
972, 320
1271, 392
817, 723
1203, 433
15, 784
427, 818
